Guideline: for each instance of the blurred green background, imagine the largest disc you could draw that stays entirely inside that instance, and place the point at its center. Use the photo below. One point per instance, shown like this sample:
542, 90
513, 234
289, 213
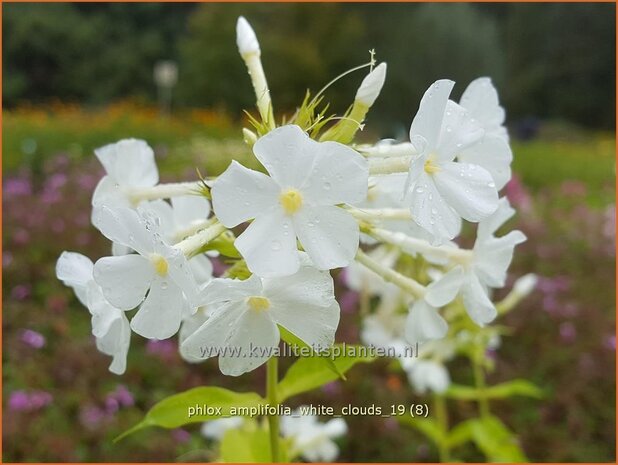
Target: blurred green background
77, 76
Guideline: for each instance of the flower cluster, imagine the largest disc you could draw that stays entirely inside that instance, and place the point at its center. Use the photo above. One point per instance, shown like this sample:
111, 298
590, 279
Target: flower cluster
317, 198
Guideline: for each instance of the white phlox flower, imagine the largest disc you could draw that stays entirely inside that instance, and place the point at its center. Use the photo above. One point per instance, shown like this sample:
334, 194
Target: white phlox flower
439, 191
242, 328
427, 375
158, 270
313, 440
110, 325
299, 199
492, 152
129, 164
486, 265
184, 213
216, 429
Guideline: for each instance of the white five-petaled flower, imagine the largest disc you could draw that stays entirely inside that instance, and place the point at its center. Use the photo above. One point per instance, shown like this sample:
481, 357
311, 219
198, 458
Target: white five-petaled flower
486, 266
313, 440
492, 152
242, 328
110, 326
307, 181
185, 212
129, 164
439, 190
158, 269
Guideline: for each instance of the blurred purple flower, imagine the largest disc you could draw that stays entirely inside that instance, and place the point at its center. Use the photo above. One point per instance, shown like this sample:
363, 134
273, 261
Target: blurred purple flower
56, 181
7, 259
92, 416
568, 333
180, 435
122, 396
610, 342
57, 225
21, 292
518, 195
33, 339
333, 388
19, 401
165, 349
15, 187
21, 236
349, 302
87, 181
573, 187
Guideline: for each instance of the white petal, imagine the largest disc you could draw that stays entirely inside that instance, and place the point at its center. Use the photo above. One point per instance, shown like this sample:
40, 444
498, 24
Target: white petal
108, 193
493, 256
163, 217
335, 428
119, 249
116, 342
328, 234
323, 451
481, 99
201, 267
288, 154
269, 245
478, 305
339, 175
256, 336
424, 323
124, 226
180, 272
428, 375
189, 208
428, 119
309, 286
75, 270
160, 315
209, 339
316, 326
469, 189
492, 153
130, 162
246, 39
430, 211
189, 326
443, 291
491, 224
124, 280
240, 194
458, 132
230, 290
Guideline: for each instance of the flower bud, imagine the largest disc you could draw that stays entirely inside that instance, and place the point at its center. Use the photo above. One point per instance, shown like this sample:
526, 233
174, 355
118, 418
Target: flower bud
526, 284
245, 38
249, 137
372, 85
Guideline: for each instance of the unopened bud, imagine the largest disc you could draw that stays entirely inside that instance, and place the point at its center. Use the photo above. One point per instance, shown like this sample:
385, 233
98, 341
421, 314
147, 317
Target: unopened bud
372, 85
526, 284
245, 38
249, 137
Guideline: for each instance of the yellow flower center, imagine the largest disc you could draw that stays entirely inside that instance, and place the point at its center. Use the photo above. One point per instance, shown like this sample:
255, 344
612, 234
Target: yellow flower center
291, 200
258, 303
430, 166
160, 264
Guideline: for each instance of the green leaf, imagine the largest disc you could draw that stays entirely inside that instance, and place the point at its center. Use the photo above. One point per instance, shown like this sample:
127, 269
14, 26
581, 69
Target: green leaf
173, 411
427, 426
517, 387
496, 441
295, 342
308, 373
242, 446
460, 434
224, 244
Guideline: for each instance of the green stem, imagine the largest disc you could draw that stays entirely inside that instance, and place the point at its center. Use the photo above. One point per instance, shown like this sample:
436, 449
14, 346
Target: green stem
273, 420
442, 419
479, 381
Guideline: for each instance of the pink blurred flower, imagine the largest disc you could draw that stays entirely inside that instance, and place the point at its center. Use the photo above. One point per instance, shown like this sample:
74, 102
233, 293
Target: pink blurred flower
568, 333
22, 401
180, 435
19, 401
21, 292
573, 188
33, 339
165, 349
349, 302
21, 236
15, 187
7, 259
518, 195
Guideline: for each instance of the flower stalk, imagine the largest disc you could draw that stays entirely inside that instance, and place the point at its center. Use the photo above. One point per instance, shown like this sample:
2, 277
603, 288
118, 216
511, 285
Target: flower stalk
165, 191
406, 284
192, 244
400, 164
272, 378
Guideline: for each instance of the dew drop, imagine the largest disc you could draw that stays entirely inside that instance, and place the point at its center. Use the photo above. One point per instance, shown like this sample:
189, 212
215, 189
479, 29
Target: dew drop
326, 186
275, 245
